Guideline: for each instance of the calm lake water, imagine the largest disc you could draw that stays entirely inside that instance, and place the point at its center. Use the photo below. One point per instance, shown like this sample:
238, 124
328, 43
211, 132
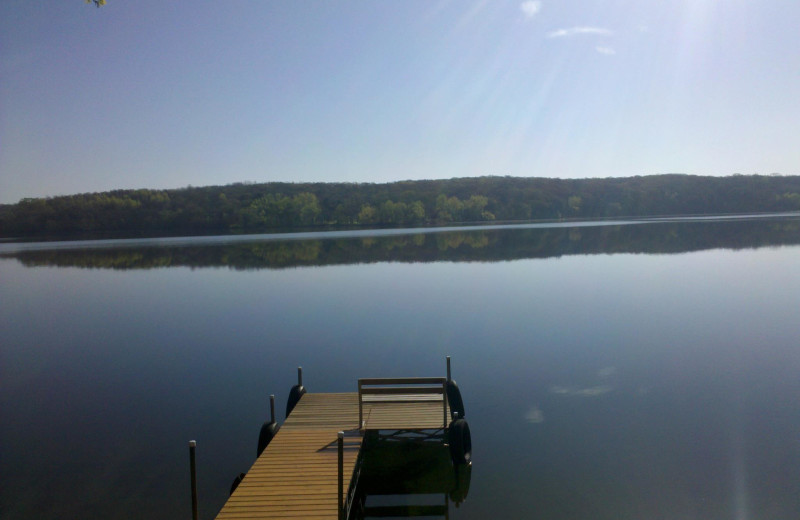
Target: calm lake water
623, 370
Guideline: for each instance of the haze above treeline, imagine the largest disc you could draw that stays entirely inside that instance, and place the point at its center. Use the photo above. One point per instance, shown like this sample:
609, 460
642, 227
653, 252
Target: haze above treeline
279, 206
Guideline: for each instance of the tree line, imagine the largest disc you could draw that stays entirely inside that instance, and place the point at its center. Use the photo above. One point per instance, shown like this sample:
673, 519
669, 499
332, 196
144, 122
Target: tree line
255, 207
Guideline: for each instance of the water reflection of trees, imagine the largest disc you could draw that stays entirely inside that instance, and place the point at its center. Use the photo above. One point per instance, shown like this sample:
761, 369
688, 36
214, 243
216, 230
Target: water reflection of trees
478, 245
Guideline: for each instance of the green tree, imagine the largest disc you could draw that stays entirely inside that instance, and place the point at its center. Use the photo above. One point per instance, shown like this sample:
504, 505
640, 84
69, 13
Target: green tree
416, 212
474, 208
367, 215
792, 199
574, 202
448, 209
392, 212
306, 208
267, 211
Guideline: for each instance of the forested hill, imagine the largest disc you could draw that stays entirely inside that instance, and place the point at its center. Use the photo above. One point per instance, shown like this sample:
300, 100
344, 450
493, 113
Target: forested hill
270, 206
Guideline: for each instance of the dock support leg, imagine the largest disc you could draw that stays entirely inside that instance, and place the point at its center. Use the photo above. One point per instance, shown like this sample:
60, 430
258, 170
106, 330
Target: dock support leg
193, 470
340, 500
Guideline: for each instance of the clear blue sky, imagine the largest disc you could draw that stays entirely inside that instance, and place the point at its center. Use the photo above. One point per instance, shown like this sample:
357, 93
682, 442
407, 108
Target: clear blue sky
161, 94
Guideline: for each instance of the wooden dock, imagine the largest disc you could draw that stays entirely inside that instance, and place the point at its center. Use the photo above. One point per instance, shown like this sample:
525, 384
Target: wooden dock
297, 475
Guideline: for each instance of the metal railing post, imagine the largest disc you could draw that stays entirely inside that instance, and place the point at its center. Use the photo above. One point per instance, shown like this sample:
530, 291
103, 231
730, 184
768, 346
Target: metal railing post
448, 369
340, 499
272, 407
193, 470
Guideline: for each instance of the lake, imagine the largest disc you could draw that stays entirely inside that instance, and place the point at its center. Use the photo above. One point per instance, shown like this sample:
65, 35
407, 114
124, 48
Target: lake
642, 369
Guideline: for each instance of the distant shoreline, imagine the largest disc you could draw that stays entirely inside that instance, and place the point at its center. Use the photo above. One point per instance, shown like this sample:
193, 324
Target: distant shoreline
322, 234
490, 243
313, 207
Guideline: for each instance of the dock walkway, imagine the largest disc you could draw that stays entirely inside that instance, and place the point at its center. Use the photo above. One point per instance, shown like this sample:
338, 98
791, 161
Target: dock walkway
296, 476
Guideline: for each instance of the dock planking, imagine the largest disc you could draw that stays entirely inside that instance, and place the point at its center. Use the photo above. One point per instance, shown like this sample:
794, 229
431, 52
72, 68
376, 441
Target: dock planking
297, 474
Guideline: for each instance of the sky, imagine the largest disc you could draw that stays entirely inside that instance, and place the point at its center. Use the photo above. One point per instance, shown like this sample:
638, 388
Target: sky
165, 94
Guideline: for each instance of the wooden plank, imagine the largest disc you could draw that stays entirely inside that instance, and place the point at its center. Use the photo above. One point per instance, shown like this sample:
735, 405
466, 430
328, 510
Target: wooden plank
296, 475
402, 381
403, 397
407, 390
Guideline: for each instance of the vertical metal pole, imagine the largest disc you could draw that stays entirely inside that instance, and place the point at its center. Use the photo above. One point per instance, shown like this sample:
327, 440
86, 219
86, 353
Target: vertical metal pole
300, 376
193, 470
340, 500
448, 369
272, 408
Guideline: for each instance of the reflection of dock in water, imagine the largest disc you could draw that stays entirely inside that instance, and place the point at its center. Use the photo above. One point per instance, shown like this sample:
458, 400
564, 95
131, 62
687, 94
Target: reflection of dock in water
399, 447
406, 475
